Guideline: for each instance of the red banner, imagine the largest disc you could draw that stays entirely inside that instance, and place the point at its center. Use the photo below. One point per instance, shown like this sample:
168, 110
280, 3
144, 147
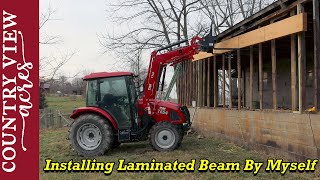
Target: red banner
20, 89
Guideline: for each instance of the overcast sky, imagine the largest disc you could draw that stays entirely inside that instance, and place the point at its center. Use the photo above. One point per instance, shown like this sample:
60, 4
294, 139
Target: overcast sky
79, 22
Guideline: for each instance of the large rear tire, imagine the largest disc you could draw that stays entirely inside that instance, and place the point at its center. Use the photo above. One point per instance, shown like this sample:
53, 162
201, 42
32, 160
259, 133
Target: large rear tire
164, 136
91, 135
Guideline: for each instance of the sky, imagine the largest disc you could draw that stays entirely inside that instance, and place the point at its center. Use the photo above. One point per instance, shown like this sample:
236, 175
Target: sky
78, 23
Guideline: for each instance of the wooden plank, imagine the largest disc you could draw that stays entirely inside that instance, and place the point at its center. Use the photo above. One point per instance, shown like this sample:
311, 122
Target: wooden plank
208, 83
201, 55
291, 25
252, 37
301, 66
260, 77
251, 78
215, 83
293, 42
239, 78
293, 73
223, 82
230, 80
274, 74
316, 33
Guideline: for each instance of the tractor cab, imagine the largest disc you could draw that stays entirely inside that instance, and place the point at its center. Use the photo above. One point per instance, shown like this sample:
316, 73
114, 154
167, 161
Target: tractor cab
114, 93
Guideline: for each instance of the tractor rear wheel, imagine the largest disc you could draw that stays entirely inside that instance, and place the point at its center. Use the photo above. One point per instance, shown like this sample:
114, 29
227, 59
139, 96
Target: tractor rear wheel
164, 136
91, 135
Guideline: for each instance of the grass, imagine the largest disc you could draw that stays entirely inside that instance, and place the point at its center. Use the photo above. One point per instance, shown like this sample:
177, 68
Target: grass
55, 146
65, 104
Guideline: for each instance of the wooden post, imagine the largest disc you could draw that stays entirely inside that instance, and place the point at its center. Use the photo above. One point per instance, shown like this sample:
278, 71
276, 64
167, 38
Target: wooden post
230, 80
251, 78
215, 83
223, 82
194, 82
199, 84
301, 65
260, 77
274, 74
204, 83
316, 33
293, 43
208, 83
239, 78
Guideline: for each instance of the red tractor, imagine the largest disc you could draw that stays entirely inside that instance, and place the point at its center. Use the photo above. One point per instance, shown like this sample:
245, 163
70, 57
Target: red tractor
114, 113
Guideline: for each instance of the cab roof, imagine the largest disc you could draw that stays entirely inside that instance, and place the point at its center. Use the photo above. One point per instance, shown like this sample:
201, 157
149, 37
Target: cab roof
106, 75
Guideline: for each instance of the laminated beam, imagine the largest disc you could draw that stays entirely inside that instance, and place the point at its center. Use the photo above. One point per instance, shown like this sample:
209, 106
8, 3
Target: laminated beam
291, 25
288, 26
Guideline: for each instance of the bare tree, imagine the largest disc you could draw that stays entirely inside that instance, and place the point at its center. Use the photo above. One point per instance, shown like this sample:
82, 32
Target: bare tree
50, 65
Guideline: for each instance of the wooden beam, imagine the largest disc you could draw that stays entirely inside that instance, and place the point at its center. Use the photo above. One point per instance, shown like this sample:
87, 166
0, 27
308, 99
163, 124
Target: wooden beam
260, 77
251, 78
239, 78
215, 83
301, 66
230, 80
274, 74
293, 42
288, 26
208, 83
316, 33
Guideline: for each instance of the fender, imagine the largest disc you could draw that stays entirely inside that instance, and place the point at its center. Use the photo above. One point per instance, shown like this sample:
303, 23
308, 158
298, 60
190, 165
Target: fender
95, 110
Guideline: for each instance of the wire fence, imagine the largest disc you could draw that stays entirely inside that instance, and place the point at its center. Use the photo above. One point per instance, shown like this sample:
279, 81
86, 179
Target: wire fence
50, 118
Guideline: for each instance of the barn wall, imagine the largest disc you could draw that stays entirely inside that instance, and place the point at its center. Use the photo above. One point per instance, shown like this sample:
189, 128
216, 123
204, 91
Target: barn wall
287, 134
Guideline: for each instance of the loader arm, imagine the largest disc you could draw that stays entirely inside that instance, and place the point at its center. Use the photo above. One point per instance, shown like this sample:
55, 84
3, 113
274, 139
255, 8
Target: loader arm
159, 60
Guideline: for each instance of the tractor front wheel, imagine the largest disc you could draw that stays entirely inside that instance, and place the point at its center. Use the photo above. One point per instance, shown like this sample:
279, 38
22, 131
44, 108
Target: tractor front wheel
91, 135
164, 136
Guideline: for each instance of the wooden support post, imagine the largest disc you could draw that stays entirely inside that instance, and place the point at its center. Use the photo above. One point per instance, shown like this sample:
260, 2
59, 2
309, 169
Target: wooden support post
260, 77
215, 83
274, 74
239, 78
223, 81
251, 78
199, 84
301, 66
208, 83
230, 80
293, 43
316, 33
194, 81
204, 97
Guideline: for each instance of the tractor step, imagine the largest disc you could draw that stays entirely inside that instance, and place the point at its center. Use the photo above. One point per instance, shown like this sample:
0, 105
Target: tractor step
124, 135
